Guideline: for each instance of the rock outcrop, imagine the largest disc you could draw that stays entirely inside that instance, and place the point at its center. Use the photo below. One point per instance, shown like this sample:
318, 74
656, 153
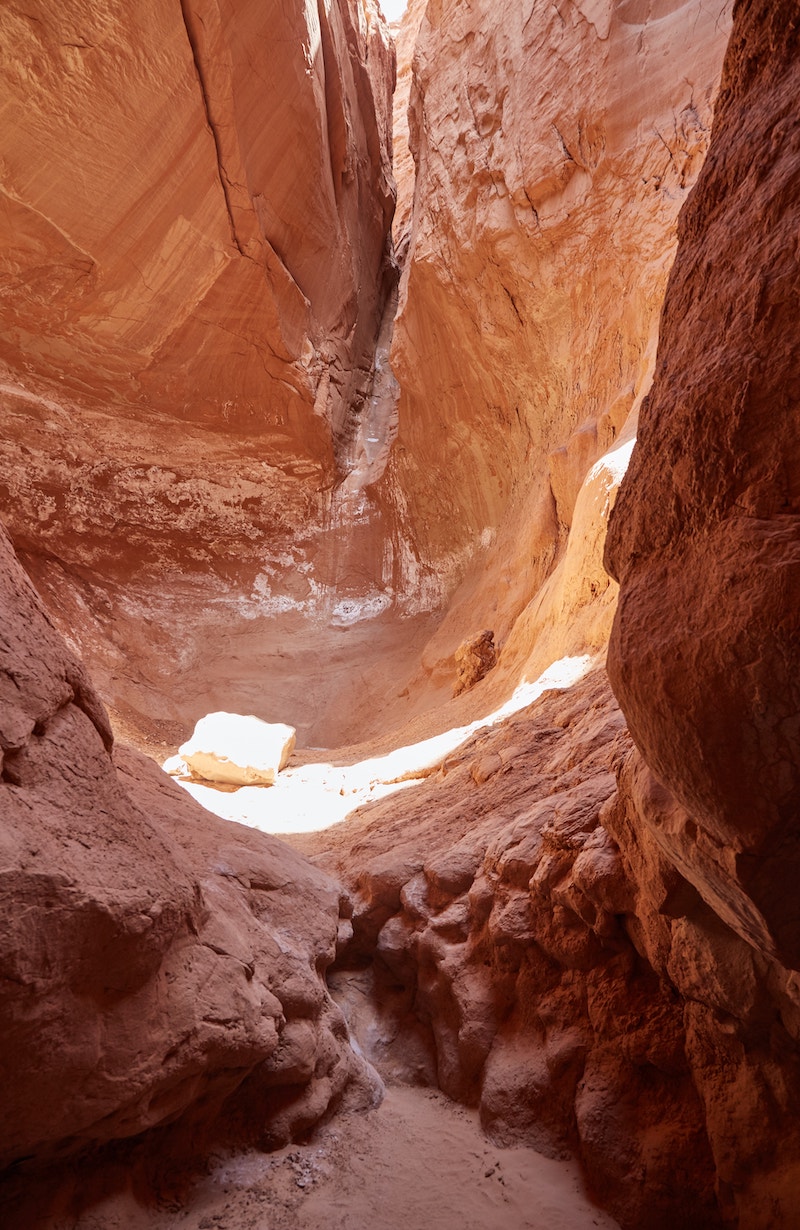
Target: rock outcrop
405, 34
704, 654
705, 539
505, 935
196, 224
594, 942
238, 749
588, 933
154, 960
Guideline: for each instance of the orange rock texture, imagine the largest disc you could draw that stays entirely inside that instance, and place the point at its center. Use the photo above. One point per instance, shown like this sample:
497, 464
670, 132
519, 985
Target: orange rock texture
704, 651
196, 203
194, 226
588, 932
505, 935
153, 959
405, 34
596, 943
554, 148
708, 521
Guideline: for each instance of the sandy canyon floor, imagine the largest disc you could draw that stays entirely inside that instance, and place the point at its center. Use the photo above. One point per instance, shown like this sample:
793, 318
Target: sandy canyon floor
418, 1160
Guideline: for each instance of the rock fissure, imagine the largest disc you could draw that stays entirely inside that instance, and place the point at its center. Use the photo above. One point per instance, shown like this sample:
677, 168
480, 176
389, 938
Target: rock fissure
224, 180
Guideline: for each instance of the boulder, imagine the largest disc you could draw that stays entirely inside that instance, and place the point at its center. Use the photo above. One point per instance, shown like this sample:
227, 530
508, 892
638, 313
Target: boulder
239, 750
474, 658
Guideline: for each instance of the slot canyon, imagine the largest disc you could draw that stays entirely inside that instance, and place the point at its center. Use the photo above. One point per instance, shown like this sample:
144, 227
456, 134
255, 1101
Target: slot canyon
430, 386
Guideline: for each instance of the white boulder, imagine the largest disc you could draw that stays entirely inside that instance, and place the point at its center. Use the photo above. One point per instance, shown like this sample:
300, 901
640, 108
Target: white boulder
238, 750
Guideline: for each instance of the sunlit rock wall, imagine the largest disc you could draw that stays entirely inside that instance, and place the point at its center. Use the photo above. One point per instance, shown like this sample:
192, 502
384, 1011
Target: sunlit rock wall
195, 208
554, 147
195, 201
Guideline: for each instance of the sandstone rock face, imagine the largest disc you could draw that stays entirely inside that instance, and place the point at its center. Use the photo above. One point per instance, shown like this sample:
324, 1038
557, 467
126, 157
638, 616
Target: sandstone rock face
554, 147
596, 945
243, 751
534, 953
153, 959
405, 34
230, 209
196, 203
705, 537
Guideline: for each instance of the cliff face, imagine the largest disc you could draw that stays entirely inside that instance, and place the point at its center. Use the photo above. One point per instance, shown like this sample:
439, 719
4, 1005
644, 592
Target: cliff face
707, 524
194, 226
704, 651
406, 33
195, 261
588, 933
553, 149
596, 942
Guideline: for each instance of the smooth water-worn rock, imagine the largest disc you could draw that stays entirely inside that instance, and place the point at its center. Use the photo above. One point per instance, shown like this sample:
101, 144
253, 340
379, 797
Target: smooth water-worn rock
589, 934
554, 147
195, 260
153, 959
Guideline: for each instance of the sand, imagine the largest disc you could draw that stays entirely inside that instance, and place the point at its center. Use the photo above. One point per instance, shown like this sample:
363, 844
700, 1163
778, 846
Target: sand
417, 1161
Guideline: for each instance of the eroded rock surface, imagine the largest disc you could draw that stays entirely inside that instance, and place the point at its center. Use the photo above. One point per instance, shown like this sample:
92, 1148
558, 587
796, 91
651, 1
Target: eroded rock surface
196, 259
554, 146
533, 953
217, 259
153, 959
704, 655
596, 945
496, 908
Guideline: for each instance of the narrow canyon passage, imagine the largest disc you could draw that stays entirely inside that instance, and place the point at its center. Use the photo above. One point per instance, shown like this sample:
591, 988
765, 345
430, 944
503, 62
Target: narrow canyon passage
432, 389
416, 1159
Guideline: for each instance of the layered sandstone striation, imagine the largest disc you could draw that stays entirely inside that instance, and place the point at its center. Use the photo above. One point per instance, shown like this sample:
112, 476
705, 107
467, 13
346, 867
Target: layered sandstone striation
217, 258
587, 933
196, 206
554, 147
154, 960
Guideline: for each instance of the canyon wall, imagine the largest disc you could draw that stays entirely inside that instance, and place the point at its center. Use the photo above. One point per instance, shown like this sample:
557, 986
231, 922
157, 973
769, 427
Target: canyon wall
554, 148
154, 960
196, 204
588, 933
708, 519
210, 469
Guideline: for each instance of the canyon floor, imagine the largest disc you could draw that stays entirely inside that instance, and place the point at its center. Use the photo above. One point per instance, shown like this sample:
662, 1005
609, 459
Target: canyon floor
417, 1160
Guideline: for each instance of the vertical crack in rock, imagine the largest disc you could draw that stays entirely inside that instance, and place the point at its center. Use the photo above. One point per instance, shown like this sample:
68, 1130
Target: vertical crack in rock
335, 119
193, 36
